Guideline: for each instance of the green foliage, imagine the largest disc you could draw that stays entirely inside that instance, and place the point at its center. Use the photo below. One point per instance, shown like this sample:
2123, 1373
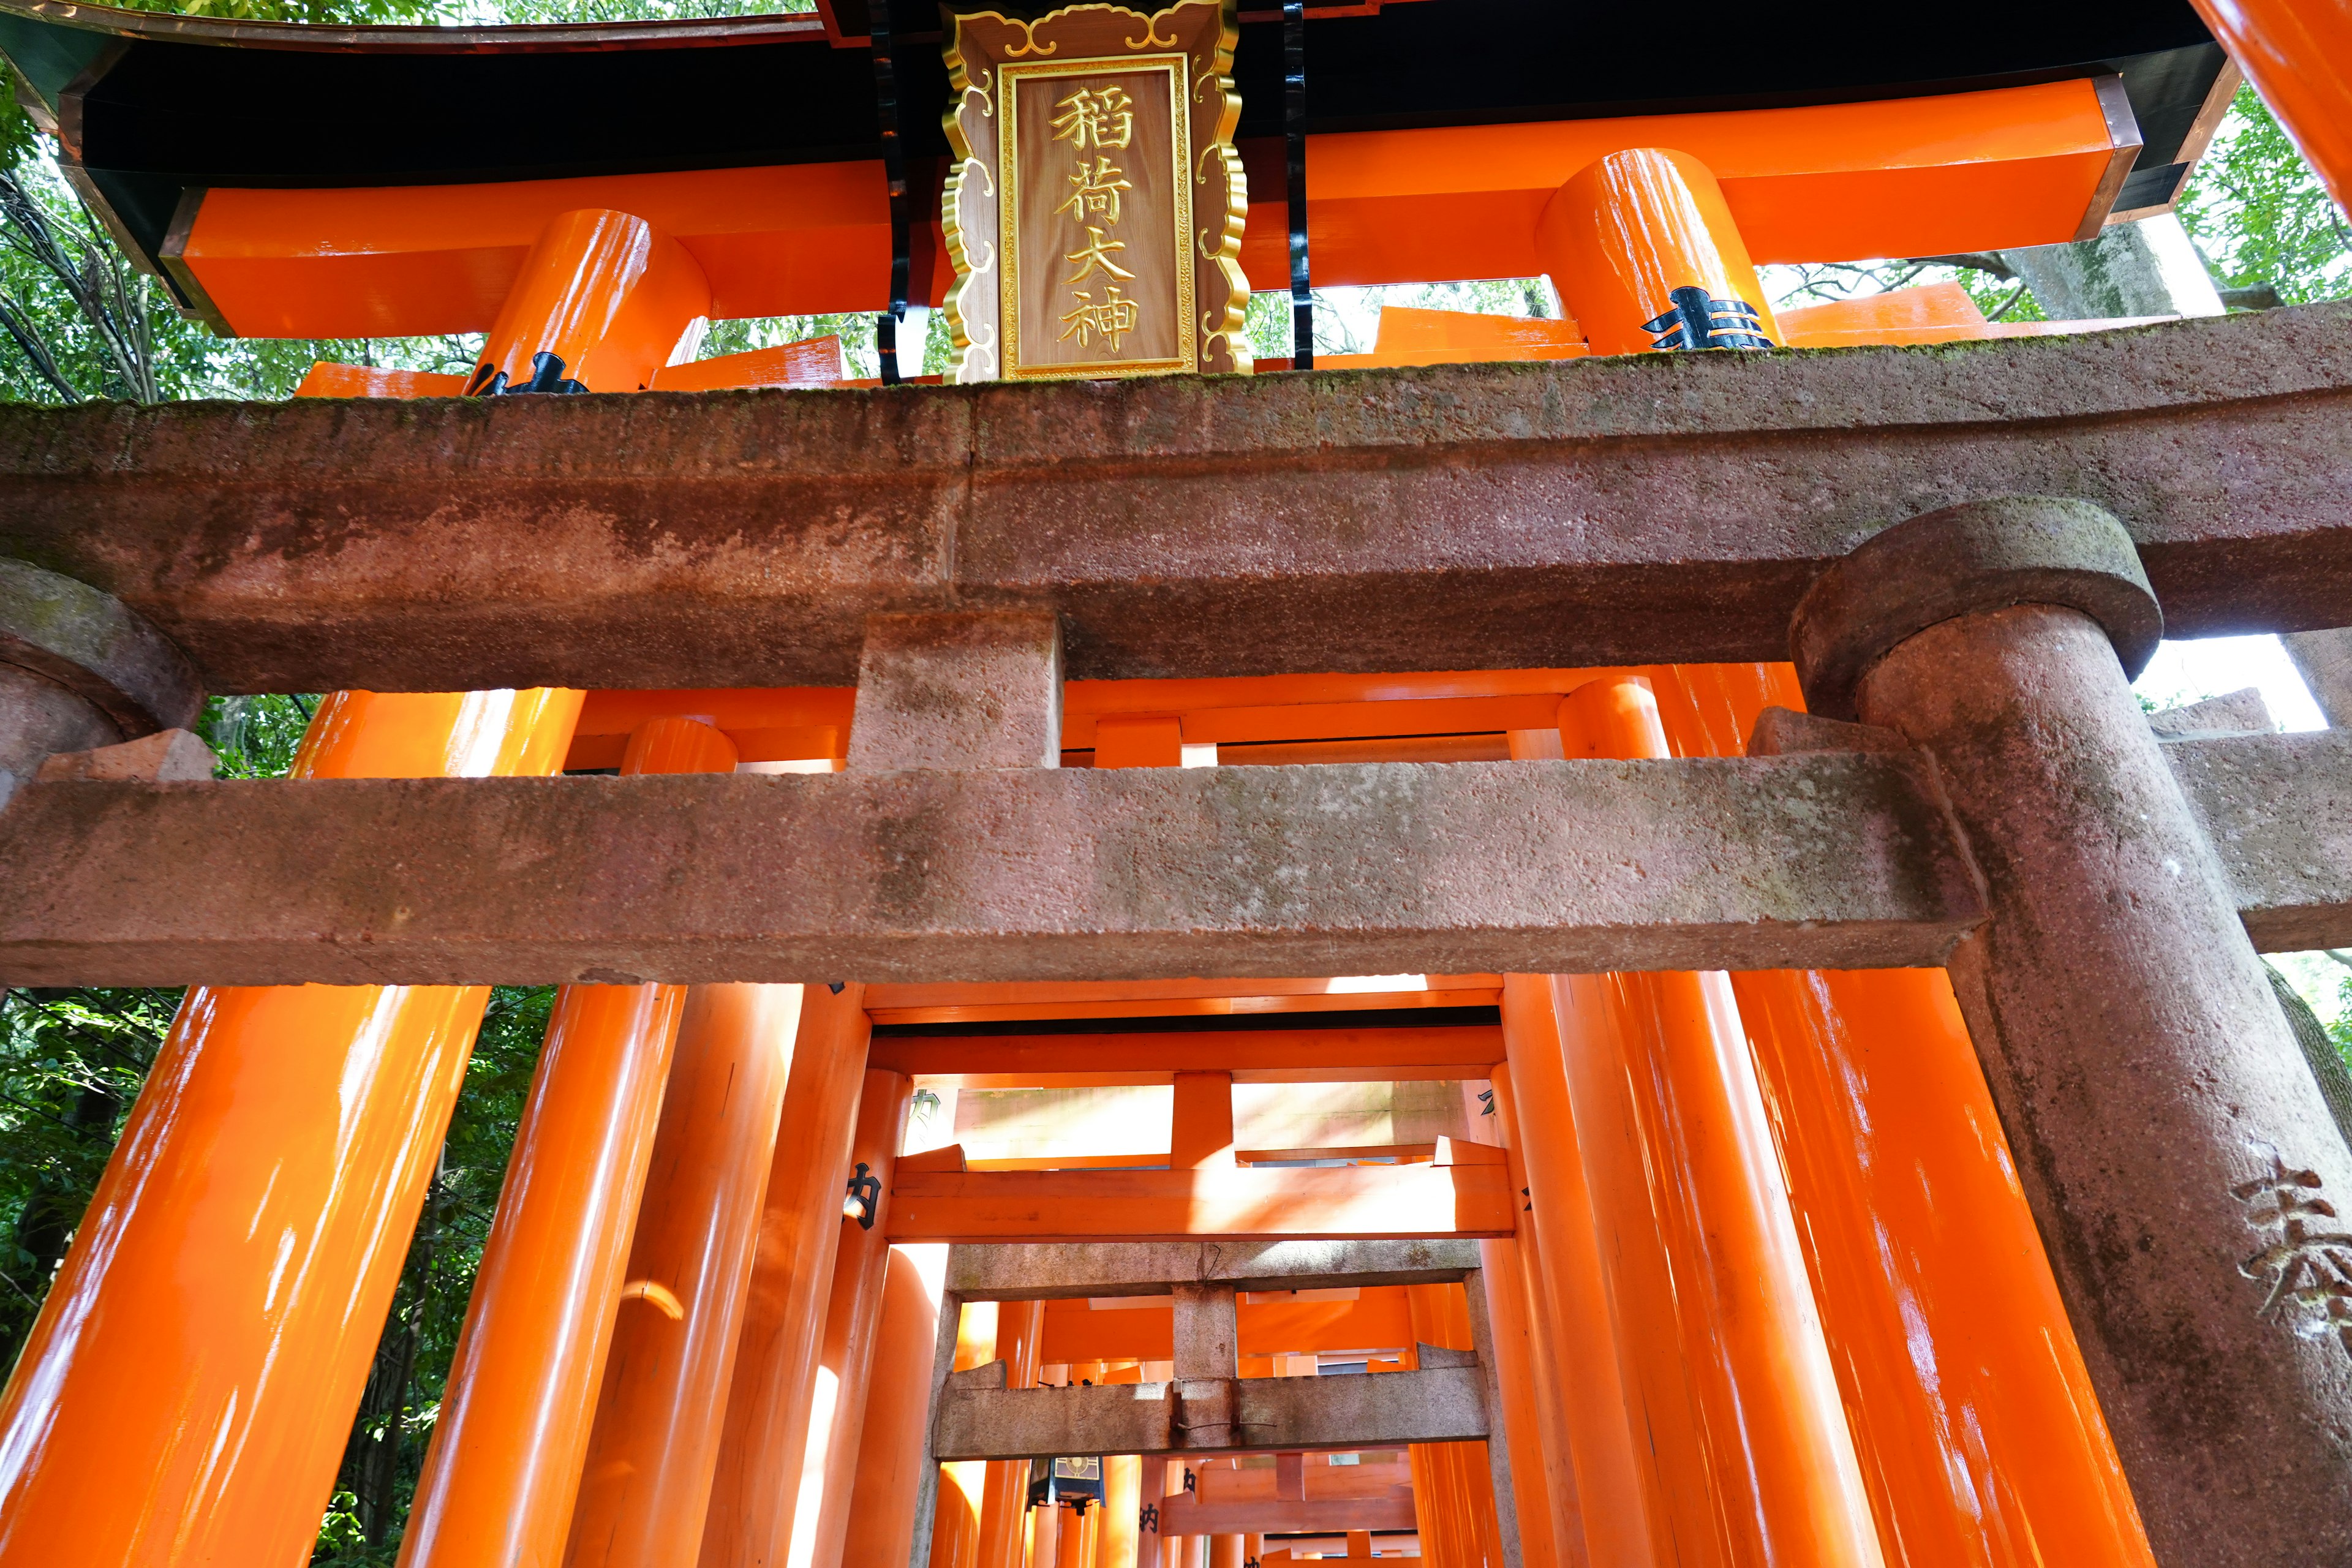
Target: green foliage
2341, 1030
2261, 215
255, 737
71, 1061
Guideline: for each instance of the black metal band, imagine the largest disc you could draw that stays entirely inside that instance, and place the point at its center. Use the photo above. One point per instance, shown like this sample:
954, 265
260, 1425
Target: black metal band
894, 169
1294, 125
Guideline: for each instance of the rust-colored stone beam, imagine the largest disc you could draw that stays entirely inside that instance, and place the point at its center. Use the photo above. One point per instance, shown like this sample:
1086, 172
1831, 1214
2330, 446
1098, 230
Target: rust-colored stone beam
1826, 860
2278, 810
1656, 507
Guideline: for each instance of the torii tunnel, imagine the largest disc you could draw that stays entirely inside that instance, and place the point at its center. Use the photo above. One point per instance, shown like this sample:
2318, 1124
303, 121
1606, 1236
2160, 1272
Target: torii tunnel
1636, 989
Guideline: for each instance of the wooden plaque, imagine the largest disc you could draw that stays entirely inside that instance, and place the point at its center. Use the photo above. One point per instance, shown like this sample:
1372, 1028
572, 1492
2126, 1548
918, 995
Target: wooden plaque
1095, 211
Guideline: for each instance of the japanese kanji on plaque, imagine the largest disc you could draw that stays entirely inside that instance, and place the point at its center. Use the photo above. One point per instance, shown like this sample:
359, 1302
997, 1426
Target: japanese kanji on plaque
1095, 213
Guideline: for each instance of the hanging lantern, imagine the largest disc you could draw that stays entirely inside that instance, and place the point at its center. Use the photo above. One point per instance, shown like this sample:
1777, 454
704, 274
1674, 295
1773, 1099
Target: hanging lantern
1074, 1483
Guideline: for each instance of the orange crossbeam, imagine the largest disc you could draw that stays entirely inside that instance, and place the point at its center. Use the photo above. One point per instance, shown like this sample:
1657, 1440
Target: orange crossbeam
1372, 1202
1378, 1318
1252, 1055
1920, 176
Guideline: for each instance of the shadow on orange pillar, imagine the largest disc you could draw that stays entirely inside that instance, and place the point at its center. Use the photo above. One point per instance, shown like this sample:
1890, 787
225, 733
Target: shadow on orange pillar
1541, 1481
504, 1467
963, 1486
1020, 1336
1977, 1430
890, 1445
647, 1481
1613, 1502
1646, 255
212, 1326
1716, 1327
853, 1316
771, 1396
1461, 1471
600, 304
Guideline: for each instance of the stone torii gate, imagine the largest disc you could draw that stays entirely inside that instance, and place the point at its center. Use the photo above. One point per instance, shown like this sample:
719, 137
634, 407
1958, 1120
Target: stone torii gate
1899, 1153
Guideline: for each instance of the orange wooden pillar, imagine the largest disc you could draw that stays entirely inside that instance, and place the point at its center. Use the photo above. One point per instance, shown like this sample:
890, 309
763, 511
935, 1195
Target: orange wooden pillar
773, 1390
1613, 1504
504, 1466
1020, 1335
853, 1316
890, 1445
600, 304
213, 1323
2298, 54
1519, 1320
1044, 1527
1645, 254
1151, 1486
1461, 1497
1225, 1551
1117, 1535
1713, 1320
646, 1482
1969, 1401
963, 1486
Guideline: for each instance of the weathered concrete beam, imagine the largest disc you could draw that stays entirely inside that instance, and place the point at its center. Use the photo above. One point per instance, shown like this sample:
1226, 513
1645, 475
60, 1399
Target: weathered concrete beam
1829, 860
1052, 1270
1654, 508
1250, 1414
2278, 809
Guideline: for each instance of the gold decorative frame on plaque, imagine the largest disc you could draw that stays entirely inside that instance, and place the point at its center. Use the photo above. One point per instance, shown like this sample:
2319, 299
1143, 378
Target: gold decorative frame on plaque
1186, 200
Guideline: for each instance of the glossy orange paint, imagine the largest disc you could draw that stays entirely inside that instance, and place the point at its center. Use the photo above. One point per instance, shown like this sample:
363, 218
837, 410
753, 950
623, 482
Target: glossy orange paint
1445, 1053
1453, 1494
773, 1390
853, 1316
767, 723
1629, 228
2298, 54
1020, 1336
890, 1447
1076, 1331
325, 378
964, 1487
1979, 1434
1920, 177
504, 1467
604, 291
1721, 1346
1515, 1374
214, 1319
1556, 1520
1143, 740
388, 261
811, 362
1117, 1535
1595, 1415
645, 1484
